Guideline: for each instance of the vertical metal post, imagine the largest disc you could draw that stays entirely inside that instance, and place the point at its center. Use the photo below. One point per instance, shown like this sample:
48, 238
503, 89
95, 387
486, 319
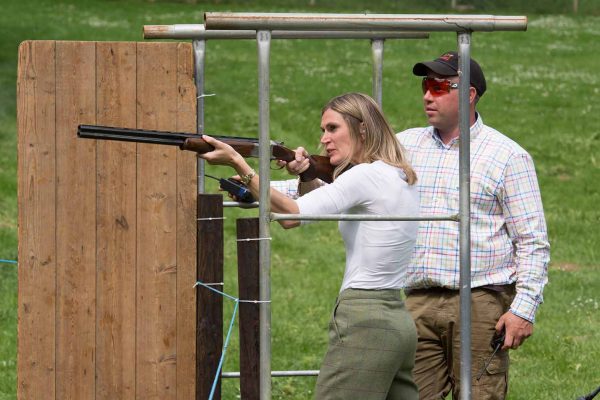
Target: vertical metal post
199, 58
464, 70
263, 39
377, 51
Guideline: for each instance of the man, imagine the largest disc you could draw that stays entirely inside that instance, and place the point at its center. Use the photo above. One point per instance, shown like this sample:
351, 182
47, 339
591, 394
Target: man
509, 245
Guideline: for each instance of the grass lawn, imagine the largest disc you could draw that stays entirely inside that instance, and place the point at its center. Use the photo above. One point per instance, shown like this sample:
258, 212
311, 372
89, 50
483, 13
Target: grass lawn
543, 90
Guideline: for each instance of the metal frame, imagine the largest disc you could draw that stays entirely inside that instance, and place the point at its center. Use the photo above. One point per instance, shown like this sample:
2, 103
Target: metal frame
199, 32
364, 22
199, 35
266, 24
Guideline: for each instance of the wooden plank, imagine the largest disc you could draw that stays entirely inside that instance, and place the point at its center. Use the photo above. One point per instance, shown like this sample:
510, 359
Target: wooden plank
36, 202
248, 283
76, 221
209, 330
186, 228
116, 223
156, 371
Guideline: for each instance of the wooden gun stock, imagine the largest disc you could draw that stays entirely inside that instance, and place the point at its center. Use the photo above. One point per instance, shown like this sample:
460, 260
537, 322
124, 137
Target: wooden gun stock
319, 165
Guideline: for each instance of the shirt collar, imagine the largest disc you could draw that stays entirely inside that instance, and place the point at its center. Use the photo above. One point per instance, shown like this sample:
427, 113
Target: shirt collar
473, 133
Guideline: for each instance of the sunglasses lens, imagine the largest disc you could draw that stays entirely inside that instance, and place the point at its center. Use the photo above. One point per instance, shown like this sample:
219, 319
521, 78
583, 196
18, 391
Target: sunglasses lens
435, 87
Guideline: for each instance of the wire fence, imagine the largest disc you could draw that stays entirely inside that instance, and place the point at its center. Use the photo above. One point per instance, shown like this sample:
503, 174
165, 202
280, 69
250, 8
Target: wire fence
228, 336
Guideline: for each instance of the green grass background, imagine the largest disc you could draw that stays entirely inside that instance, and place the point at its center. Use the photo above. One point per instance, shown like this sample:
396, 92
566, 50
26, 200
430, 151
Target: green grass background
543, 91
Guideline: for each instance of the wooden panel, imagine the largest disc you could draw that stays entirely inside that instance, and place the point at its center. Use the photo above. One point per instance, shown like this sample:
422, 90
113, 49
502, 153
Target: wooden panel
116, 226
76, 221
186, 228
36, 201
156, 235
107, 230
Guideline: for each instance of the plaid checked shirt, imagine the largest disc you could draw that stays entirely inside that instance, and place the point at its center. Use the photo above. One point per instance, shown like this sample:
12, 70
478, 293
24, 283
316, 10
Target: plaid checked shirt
288, 187
508, 231
509, 242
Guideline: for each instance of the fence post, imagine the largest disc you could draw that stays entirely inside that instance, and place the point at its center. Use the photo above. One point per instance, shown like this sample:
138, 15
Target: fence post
209, 305
248, 269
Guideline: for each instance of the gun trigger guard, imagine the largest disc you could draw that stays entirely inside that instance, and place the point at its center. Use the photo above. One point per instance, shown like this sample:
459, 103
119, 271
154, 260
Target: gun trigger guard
275, 169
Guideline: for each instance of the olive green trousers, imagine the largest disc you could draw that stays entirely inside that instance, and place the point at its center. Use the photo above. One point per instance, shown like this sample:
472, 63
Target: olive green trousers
371, 353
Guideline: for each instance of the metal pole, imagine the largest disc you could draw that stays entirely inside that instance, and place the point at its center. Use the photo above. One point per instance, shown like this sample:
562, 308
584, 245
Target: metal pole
464, 71
377, 51
199, 58
363, 22
276, 374
359, 217
197, 31
263, 39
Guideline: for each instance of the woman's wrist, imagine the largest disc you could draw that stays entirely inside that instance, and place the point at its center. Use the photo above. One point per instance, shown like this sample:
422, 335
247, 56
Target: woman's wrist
238, 162
247, 178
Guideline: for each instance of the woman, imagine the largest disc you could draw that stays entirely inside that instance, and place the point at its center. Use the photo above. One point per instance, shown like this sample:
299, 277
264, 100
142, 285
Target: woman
372, 338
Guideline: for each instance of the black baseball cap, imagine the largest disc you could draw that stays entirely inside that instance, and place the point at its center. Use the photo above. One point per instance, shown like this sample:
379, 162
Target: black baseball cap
447, 65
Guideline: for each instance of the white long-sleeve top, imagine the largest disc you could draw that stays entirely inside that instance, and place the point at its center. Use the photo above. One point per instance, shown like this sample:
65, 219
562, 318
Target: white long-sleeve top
377, 252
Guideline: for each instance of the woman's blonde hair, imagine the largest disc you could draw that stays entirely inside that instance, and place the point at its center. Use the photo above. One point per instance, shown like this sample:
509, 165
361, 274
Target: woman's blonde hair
368, 125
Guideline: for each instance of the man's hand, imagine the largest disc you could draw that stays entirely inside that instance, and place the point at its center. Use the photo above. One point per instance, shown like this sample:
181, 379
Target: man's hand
299, 165
517, 330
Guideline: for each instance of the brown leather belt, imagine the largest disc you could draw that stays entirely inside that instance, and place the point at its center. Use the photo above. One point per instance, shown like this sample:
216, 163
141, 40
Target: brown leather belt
438, 289
499, 288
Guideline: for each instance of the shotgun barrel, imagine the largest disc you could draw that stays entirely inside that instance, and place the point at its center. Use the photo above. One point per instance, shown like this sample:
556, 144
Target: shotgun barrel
146, 135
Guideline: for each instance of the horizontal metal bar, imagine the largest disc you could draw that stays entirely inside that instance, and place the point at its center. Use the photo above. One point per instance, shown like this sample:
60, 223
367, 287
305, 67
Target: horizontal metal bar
358, 217
240, 204
342, 217
363, 22
276, 374
197, 32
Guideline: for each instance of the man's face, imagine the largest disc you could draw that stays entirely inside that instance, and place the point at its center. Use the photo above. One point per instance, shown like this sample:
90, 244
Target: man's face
442, 108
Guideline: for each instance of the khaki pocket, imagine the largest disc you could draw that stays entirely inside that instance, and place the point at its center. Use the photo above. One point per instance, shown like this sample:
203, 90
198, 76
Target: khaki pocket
334, 324
499, 363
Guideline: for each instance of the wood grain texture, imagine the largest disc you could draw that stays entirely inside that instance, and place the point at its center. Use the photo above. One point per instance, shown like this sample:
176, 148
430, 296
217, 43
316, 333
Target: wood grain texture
156, 234
116, 226
187, 189
107, 230
37, 224
75, 221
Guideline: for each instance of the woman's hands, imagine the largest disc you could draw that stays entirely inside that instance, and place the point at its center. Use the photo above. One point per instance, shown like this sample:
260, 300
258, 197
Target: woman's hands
223, 154
299, 165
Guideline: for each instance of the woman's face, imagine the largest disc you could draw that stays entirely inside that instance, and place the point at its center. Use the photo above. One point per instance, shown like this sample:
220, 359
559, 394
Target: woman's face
336, 137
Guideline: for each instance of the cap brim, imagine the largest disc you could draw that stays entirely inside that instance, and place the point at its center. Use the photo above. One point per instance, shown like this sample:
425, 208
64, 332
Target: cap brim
422, 69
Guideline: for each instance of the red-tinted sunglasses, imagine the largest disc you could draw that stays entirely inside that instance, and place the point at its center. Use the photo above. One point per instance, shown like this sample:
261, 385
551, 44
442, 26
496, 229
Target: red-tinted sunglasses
437, 87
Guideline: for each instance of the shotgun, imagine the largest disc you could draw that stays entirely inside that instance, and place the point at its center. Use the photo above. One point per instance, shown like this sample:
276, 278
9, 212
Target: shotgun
319, 165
